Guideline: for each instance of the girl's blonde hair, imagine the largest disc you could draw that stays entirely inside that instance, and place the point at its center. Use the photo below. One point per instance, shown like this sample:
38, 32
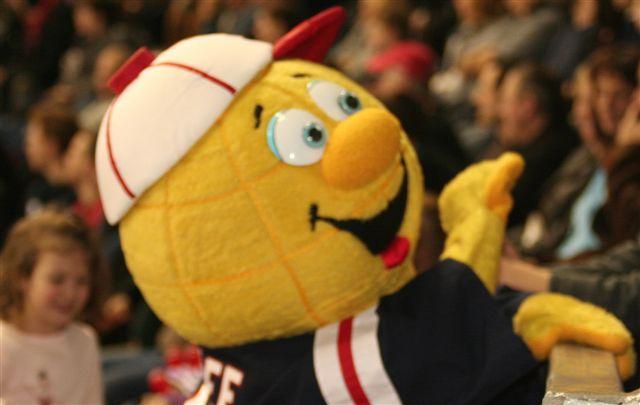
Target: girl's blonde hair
47, 230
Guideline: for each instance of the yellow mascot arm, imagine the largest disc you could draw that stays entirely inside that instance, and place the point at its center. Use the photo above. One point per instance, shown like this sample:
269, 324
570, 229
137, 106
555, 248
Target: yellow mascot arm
473, 211
546, 319
474, 208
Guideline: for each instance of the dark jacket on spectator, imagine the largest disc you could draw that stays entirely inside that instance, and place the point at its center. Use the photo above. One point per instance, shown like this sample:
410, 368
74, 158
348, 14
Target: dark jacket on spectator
612, 281
542, 158
619, 218
547, 226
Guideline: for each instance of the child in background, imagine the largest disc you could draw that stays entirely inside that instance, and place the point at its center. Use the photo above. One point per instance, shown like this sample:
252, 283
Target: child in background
49, 130
80, 174
51, 277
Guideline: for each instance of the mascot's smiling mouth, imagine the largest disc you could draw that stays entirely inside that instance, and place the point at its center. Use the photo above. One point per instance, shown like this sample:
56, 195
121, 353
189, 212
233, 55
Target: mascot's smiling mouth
379, 233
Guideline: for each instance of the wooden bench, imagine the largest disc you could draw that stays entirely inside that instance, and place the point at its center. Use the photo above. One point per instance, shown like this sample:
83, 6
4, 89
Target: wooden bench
580, 375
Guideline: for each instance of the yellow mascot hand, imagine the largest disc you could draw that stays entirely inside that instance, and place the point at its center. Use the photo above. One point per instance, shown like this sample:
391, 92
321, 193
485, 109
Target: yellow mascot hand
474, 208
546, 319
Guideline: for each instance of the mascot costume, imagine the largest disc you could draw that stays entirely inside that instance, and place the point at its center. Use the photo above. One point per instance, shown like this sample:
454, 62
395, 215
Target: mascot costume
269, 209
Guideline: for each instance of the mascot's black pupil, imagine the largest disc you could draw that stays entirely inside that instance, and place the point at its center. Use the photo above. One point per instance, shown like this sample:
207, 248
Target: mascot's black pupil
352, 101
314, 135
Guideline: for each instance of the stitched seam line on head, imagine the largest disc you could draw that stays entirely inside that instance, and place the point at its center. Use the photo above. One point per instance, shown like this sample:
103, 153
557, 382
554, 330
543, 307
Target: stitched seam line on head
272, 235
174, 260
213, 198
298, 251
199, 72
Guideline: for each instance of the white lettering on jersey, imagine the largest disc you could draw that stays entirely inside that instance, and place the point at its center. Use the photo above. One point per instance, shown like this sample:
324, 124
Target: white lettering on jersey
215, 370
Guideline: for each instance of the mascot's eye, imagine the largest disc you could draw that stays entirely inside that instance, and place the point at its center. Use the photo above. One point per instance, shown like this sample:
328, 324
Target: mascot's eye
349, 102
297, 137
314, 135
334, 100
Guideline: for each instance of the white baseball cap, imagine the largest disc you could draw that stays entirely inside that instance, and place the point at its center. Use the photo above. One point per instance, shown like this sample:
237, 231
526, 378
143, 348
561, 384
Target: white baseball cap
165, 105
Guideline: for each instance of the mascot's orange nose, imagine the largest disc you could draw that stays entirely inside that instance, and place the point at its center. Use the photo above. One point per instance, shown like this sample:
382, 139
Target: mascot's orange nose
361, 148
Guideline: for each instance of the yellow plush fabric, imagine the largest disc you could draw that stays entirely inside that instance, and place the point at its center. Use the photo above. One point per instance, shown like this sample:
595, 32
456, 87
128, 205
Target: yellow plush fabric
626, 363
473, 211
543, 320
222, 247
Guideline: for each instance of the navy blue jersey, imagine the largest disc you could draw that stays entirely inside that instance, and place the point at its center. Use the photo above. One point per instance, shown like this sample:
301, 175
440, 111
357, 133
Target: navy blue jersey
442, 339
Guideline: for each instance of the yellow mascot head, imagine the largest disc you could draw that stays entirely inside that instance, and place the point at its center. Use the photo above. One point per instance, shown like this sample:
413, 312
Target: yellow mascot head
259, 194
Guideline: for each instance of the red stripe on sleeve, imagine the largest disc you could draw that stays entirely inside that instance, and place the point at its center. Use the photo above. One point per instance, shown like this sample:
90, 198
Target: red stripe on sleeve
347, 365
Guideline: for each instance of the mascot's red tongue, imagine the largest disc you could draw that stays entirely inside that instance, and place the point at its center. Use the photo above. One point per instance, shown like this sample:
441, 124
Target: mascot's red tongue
396, 252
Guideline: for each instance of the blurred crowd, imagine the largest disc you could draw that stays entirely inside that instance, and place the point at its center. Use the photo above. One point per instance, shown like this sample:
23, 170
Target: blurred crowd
555, 80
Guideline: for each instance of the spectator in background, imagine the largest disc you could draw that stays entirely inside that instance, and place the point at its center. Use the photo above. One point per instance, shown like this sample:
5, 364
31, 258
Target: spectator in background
357, 47
236, 17
109, 59
629, 126
187, 18
144, 18
484, 97
547, 225
620, 216
98, 26
614, 79
80, 174
431, 22
48, 134
403, 68
532, 122
528, 26
592, 202
52, 278
478, 28
93, 21
48, 35
385, 30
271, 22
11, 55
591, 22
628, 31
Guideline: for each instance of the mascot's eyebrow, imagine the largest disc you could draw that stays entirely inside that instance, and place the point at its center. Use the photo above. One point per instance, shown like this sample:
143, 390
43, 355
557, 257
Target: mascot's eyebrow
300, 75
257, 113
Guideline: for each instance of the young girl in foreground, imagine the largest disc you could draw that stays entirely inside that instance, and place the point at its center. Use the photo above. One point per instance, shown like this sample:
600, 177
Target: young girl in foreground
51, 277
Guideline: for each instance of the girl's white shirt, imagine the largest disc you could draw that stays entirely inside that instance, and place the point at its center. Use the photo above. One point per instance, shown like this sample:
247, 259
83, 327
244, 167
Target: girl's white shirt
60, 368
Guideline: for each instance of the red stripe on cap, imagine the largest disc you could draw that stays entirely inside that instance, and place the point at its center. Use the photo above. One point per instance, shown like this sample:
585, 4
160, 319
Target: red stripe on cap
347, 365
114, 166
199, 72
